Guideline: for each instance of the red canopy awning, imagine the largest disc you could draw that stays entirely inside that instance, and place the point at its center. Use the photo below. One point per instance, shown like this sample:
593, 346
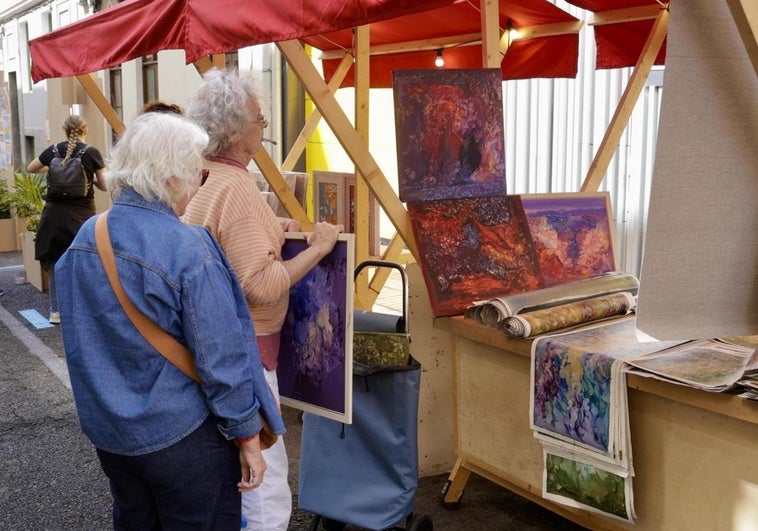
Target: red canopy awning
136, 28
552, 56
620, 44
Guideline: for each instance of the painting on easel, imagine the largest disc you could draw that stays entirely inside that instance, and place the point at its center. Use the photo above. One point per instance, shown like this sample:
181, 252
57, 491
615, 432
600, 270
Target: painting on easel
449, 131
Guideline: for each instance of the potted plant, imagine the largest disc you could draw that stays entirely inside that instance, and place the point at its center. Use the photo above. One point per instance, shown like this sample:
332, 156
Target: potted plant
26, 197
8, 239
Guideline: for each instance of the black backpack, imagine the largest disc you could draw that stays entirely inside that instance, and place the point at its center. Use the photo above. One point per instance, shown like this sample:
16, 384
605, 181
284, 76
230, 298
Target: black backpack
66, 182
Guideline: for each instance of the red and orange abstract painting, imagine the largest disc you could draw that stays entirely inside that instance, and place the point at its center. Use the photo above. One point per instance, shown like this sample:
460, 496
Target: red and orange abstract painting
473, 249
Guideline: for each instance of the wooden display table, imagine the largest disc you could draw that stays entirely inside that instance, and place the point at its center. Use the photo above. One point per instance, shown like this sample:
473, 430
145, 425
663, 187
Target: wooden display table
695, 453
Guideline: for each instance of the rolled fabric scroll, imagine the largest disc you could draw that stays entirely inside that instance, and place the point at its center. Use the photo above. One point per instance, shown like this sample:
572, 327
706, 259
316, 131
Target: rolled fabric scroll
567, 315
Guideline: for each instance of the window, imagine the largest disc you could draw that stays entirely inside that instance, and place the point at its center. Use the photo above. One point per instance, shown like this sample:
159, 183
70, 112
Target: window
149, 78
116, 93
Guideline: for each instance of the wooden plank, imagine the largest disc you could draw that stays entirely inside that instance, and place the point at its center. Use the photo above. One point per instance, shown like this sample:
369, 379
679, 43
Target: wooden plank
629, 14
315, 117
361, 191
202, 65
745, 14
625, 107
490, 10
278, 185
334, 115
412, 46
219, 60
102, 103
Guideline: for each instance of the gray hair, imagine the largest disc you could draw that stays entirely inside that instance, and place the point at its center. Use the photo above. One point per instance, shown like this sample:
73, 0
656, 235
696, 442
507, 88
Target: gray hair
154, 148
221, 107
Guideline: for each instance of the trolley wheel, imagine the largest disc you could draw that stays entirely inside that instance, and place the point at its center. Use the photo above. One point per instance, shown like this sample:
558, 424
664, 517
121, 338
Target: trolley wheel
450, 506
420, 523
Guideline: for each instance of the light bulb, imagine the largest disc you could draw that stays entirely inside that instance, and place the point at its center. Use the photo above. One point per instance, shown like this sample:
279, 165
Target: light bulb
439, 61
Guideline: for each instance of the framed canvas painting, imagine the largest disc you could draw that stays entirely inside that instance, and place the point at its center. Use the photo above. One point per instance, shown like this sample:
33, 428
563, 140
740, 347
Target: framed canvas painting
449, 133
329, 197
473, 249
572, 234
315, 369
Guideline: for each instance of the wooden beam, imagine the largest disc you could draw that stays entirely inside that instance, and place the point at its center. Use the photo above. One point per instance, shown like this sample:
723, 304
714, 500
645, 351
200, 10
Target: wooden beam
411, 46
629, 14
381, 274
547, 30
490, 16
278, 185
361, 198
324, 100
745, 14
202, 65
219, 60
315, 117
102, 103
625, 107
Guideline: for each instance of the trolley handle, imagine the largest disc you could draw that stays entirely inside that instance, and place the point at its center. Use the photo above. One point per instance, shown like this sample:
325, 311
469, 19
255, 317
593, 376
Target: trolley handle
403, 276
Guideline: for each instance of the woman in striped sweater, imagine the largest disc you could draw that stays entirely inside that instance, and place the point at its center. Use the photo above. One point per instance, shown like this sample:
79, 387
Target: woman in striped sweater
236, 213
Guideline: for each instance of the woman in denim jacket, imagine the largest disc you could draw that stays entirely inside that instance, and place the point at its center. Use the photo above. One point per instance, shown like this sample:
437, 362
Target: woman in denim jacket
166, 443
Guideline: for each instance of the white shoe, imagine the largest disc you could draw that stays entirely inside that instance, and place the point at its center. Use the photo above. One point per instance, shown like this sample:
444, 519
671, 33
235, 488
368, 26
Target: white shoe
55, 318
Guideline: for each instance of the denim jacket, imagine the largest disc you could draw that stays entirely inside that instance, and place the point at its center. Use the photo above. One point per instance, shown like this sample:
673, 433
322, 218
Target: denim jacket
130, 399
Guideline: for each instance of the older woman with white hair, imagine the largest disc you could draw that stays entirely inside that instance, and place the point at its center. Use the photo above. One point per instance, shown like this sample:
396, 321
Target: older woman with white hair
166, 443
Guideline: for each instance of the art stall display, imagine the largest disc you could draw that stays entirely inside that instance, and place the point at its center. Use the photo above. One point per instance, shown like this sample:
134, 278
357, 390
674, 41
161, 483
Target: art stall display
315, 369
449, 131
579, 413
326, 181
473, 249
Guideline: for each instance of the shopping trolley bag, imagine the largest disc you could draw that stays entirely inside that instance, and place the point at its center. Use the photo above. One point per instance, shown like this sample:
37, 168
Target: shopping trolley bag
365, 473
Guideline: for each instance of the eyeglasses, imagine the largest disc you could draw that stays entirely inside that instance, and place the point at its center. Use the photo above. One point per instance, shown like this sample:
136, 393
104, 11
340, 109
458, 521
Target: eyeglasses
204, 176
261, 120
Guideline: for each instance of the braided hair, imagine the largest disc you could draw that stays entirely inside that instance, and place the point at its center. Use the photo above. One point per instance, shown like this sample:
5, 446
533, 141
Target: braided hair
75, 127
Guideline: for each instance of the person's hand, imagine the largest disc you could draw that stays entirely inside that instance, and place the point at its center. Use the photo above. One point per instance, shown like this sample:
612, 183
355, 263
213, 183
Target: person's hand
324, 236
289, 225
252, 463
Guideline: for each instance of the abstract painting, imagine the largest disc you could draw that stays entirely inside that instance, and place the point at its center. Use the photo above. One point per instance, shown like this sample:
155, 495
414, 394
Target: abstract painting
571, 380
328, 197
473, 249
315, 368
589, 486
572, 234
344, 184
449, 133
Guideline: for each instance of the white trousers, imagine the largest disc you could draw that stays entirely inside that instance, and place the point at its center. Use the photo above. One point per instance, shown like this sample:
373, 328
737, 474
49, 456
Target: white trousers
268, 508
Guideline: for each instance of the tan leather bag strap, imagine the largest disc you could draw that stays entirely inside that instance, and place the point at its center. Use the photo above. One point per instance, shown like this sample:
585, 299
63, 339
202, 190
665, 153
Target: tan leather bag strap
160, 340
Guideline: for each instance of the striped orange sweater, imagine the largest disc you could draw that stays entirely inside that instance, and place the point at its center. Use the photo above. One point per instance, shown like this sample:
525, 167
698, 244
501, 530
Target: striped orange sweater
236, 213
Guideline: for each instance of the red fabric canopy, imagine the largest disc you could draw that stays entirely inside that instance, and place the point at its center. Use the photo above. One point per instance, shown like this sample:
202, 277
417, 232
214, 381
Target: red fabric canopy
554, 56
620, 45
136, 28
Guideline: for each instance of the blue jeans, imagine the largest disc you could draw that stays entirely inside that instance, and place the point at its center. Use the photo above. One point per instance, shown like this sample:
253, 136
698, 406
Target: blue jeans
189, 485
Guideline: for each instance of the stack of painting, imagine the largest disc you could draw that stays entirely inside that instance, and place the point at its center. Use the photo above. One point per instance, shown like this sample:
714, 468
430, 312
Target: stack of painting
475, 242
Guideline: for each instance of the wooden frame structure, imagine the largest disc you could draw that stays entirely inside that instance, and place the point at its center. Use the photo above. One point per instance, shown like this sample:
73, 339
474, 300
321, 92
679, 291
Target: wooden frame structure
354, 139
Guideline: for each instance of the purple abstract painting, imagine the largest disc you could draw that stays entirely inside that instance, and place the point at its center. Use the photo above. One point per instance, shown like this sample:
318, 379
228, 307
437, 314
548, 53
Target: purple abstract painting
316, 353
449, 133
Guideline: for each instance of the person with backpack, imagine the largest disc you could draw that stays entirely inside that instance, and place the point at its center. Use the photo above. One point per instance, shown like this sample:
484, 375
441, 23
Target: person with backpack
73, 170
